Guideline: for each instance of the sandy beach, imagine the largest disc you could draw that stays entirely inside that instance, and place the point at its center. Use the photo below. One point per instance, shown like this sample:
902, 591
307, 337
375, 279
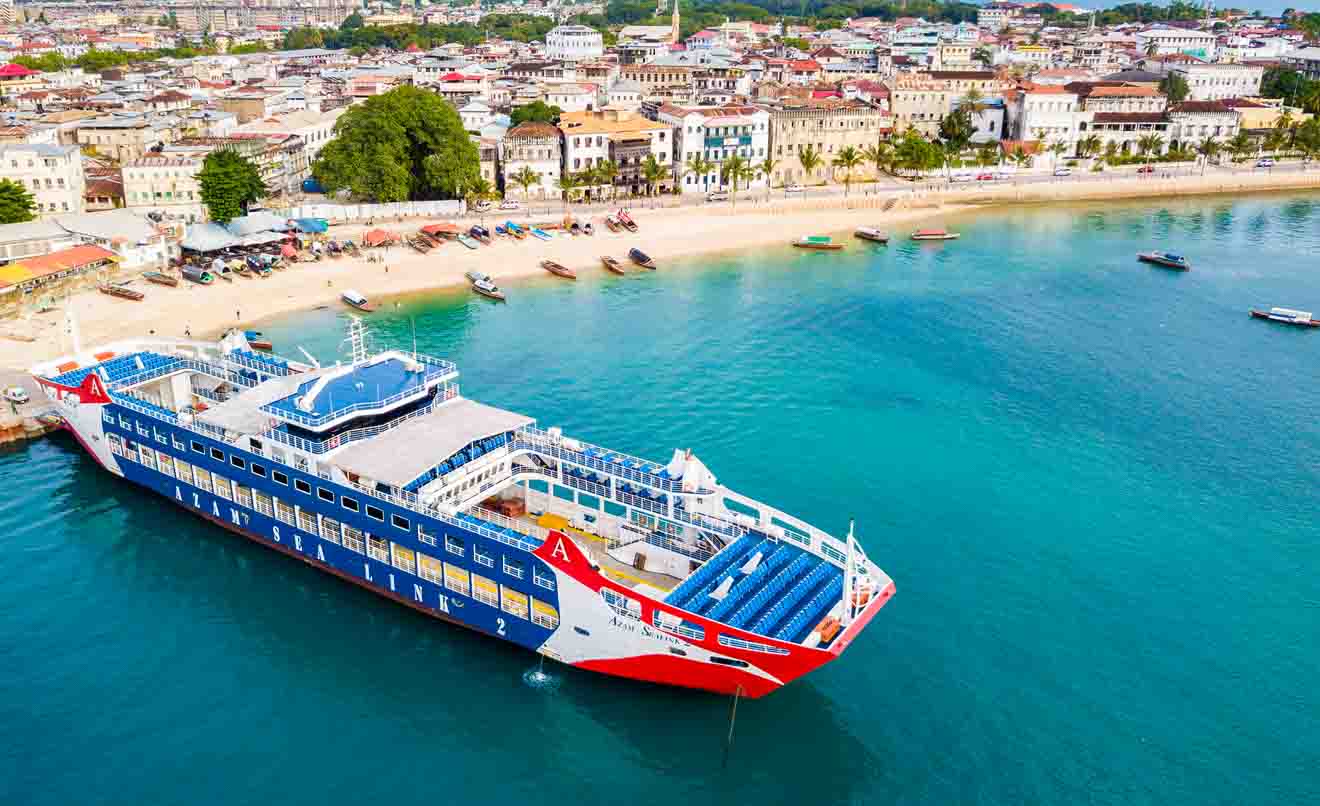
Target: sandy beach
664, 234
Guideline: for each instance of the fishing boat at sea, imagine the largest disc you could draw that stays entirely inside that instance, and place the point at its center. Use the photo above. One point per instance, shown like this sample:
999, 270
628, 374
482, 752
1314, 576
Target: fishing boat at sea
1287, 316
640, 258
376, 470
121, 291
355, 299
934, 235
559, 269
483, 285
257, 341
1167, 260
160, 278
872, 234
820, 242
613, 265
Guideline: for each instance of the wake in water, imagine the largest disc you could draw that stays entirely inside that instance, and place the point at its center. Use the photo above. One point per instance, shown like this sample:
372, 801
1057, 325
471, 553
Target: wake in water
537, 678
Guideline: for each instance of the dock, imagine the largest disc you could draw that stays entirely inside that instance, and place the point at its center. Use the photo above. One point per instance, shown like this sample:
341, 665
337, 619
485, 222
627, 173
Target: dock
18, 421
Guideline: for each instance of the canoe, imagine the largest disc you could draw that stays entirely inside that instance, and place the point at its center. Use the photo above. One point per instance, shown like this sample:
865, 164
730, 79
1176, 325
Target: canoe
612, 264
559, 269
821, 242
540, 233
639, 257
123, 292
160, 279
468, 242
612, 223
933, 235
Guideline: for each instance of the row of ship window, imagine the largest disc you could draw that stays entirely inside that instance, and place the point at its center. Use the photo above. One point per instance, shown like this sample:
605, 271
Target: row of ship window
453, 577
631, 608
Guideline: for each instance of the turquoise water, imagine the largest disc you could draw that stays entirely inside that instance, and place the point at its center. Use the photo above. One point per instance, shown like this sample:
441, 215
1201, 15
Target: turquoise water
1092, 481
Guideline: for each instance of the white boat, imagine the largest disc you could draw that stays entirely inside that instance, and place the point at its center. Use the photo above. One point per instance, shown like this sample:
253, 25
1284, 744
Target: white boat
355, 299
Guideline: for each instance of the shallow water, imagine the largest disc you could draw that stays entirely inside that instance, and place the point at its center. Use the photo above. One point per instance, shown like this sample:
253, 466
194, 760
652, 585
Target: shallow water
1090, 479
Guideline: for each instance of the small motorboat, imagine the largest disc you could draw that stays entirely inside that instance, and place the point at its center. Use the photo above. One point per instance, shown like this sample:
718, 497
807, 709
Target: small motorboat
613, 265
198, 275
480, 234
872, 234
821, 242
121, 291
540, 233
933, 235
468, 242
639, 257
1166, 260
257, 341
1287, 316
627, 222
159, 278
612, 223
483, 285
559, 269
354, 299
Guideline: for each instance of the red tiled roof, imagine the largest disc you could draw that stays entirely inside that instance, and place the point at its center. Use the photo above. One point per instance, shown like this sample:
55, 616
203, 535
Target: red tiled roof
12, 70
72, 258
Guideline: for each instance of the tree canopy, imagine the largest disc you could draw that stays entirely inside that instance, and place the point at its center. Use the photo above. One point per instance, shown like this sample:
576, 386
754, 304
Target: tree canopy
16, 203
404, 145
229, 183
1175, 88
538, 111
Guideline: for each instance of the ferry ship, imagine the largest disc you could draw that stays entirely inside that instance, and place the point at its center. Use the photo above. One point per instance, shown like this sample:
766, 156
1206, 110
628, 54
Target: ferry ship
378, 471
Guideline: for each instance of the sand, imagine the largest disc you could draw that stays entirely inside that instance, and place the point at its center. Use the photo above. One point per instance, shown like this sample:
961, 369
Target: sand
664, 234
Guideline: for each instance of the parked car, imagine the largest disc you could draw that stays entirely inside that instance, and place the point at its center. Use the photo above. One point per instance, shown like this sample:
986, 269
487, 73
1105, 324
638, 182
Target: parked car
1146, 169
482, 206
717, 196
1265, 162
987, 176
1005, 173
962, 176
1065, 171
510, 204
793, 188
16, 394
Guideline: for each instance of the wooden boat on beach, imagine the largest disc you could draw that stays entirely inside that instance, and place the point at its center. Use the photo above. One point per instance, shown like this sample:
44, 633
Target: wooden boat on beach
1166, 260
559, 269
612, 223
613, 265
197, 275
480, 234
121, 291
872, 234
540, 233
820, 242
354, 299
640, 258
934, 235
1287, 316
468, 242
627, 222
160, 278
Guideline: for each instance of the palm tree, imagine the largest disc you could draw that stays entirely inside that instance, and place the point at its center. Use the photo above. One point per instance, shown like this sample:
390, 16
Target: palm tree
1152, 48
525, 178
987, 155
1022, 158
607, 171
700, 167
1148, 143
652, 173
1057, 148
1274, 140
567, 183
848, 158
766, 168
731, 171
1207, 148
810, 159
479, 191
1088, 145
587, 178
973, 101
881, 155
1240, 146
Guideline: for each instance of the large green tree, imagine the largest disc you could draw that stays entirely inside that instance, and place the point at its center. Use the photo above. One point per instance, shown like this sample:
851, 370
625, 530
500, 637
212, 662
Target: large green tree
536, 111
229, 183
16, 204
407, 144
1175, 88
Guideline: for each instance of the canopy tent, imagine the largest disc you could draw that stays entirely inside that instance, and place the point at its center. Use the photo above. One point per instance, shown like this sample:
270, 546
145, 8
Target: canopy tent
208, 237
257, 222
310, 224
376, 237
260, 239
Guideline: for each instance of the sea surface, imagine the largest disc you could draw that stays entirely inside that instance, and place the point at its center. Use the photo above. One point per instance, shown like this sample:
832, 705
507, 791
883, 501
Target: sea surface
1093, 481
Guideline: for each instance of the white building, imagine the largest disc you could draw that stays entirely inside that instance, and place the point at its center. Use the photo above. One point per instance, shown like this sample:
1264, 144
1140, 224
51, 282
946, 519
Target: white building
315, 128
1214, 82
1046, 113
52, 173
534, 146
167, 185
572, 43
1166, 40
617, 135
572, 97
716, 133
1305, 59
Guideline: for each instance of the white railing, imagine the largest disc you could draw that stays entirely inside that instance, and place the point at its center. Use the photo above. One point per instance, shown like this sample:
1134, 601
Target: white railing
529, 529
450, 391
409, 500
709, 524
338, 440
587, 486
269, 366
535, 439
639, 502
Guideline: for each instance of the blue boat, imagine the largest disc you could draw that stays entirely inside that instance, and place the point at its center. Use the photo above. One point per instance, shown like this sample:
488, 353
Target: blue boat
378, 471
540, 233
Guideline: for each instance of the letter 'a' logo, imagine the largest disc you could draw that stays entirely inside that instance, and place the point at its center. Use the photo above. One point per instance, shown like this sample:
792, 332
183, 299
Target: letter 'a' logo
559, 550
93, 390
